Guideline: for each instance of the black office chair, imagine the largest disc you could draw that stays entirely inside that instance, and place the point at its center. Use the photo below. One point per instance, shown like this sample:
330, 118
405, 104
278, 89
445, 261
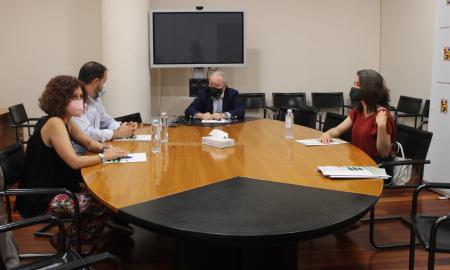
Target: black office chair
20, 120
333, 120
286, 100
64, 258
407, 107
134, 117
415, 144
12, 162
433, 231
254, 101
195, 85
302, 116
425, 114
327, 101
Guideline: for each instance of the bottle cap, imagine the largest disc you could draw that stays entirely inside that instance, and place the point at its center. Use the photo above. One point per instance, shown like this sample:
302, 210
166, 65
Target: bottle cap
289, 110
163, 114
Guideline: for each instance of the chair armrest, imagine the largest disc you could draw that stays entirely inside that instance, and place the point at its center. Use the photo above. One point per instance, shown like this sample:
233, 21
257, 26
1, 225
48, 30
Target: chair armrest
30, 222
403, 162
23, 125
271, 108
405, 115
105, 256
315, 109
422, 187
55, 191
45, 219
37, 191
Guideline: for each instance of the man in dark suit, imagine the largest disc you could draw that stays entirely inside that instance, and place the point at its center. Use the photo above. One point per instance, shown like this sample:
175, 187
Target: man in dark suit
217, 101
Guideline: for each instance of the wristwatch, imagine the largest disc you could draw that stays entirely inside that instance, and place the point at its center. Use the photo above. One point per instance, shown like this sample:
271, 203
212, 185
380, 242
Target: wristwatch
102, 157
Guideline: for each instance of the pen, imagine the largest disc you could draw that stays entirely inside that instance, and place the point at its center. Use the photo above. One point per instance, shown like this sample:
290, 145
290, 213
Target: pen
125, 157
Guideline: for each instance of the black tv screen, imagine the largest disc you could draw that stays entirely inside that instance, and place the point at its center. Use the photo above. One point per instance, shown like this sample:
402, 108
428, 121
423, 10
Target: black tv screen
197, 39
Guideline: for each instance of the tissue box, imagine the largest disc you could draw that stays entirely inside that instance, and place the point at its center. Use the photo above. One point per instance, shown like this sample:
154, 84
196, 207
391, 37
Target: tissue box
217, 142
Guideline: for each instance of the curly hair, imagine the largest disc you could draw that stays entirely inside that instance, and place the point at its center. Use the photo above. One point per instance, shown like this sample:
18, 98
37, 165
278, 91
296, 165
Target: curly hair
58, 93
374, 90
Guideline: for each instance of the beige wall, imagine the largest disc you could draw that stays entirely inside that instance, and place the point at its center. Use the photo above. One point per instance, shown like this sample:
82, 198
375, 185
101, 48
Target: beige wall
296, 45
42, 39
407, 28
306, 45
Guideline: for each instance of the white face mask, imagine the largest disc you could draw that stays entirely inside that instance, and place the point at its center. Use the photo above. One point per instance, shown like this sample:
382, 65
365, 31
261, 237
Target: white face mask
102, 93
75, 108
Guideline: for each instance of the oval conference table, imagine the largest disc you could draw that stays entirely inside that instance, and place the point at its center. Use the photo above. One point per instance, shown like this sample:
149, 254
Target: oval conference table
243, 207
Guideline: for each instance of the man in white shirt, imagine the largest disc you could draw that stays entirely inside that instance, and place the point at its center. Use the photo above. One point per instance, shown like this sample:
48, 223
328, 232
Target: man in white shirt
96, 122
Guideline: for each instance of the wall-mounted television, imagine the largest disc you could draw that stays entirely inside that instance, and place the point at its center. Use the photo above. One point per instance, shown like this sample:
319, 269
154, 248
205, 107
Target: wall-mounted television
197, 38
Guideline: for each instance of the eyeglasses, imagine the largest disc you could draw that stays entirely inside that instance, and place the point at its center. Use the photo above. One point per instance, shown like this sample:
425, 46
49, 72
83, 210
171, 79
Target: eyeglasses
357, 84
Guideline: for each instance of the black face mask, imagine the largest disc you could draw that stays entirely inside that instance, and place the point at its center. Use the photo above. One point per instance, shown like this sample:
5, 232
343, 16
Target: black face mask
355, 94
215, 92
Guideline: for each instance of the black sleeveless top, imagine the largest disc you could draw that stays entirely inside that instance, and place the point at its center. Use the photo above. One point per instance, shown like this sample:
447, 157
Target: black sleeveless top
44, 168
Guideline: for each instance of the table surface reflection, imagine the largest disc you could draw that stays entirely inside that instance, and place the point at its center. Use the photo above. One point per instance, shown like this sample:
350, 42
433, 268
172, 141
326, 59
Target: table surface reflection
261, 152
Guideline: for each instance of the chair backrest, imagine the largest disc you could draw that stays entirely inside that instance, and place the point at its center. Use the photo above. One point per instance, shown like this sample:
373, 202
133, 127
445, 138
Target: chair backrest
195, 85
253, 100
415, 142
333, 120
302, 116
134, 117
327, 100
12, 163
289, 100
409, 105
18, 114
426, 109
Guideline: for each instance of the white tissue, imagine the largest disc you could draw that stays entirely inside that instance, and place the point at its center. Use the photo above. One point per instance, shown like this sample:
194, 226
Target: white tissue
218, 138
219, 134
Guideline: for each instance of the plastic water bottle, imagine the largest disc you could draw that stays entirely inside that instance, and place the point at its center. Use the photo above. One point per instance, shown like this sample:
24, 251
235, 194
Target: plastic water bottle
288, 122
165, 128
156, 136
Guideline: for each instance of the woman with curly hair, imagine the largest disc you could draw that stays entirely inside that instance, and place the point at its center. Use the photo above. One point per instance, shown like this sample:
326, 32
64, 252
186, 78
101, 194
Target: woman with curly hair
51, 161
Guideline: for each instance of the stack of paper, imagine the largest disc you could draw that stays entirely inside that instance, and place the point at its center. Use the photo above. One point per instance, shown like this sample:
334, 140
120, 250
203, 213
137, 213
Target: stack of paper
216, 121
136, 138
353, 172
133, 157
316, 142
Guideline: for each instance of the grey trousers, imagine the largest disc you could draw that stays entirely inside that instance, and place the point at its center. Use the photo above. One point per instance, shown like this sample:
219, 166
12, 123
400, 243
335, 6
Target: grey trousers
8, 246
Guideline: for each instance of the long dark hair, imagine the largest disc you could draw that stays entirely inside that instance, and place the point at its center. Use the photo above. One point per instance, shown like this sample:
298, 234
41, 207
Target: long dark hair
374, 90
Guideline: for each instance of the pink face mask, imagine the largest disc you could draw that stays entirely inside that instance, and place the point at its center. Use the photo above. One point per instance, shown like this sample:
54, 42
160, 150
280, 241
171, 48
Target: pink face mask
75, 107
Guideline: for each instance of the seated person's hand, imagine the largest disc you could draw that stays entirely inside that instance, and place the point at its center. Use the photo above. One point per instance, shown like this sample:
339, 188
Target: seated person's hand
96, 146
325, 138
125, 131
205, 116
134, 125
114, 153
218, 116
381, 119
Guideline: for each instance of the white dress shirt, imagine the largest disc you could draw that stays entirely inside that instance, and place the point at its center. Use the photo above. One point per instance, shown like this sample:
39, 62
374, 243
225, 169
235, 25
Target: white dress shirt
95, 122
217, 103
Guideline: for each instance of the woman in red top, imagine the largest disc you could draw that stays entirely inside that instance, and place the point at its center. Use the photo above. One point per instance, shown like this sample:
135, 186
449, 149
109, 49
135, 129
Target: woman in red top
373, 129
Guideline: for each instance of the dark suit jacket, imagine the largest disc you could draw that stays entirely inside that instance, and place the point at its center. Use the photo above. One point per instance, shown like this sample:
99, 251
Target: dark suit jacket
204, 103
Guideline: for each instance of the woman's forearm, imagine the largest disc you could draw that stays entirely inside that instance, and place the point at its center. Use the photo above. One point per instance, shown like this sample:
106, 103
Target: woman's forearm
383, 142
